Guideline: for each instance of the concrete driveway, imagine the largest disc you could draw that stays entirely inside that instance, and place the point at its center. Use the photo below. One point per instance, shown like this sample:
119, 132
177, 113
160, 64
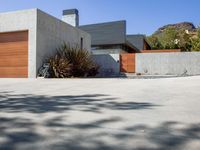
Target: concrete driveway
100, 114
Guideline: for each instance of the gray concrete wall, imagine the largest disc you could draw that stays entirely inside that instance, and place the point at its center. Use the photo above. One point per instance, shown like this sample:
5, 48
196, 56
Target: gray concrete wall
168, 63
107, 51
46, 33
20, 21
109, 64
52, 32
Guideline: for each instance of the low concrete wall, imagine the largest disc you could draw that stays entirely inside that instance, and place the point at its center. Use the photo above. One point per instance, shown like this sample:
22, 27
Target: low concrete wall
109, 64
168, 63
107, 51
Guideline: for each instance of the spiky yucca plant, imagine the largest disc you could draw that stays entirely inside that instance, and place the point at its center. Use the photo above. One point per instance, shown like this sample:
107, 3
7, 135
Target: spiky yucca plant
72, 62
60, 67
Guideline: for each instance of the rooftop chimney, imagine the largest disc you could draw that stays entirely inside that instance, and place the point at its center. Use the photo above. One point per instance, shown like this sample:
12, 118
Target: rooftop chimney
71, 17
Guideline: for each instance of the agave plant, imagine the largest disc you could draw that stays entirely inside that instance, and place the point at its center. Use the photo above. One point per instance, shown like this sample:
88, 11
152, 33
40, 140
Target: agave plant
72, 62
60, 66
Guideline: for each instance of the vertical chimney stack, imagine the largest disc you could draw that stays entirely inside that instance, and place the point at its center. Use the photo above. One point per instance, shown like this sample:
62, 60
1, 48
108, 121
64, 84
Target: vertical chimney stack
71, 16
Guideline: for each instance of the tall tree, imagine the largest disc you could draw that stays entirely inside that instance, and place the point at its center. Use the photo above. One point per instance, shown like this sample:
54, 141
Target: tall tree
169, 38
184, 40
154, 42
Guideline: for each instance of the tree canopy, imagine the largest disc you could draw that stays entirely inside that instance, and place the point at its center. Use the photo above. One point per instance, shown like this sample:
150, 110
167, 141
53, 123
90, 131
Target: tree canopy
171, 38
196, 42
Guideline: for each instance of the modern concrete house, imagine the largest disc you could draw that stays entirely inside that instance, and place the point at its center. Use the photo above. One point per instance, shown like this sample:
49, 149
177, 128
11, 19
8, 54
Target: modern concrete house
111, 38
28, 37
119, 53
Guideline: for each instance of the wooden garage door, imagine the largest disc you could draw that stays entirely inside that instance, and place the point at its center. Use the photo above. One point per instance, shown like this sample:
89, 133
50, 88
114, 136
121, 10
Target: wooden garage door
14, 55
127, 63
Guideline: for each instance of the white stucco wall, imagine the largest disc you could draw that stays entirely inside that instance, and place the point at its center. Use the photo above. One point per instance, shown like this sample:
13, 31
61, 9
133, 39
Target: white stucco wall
71, 19
109, 64
46, 33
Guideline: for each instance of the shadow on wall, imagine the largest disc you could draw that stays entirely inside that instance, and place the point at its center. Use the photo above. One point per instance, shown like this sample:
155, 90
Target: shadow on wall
109, 64
27, 122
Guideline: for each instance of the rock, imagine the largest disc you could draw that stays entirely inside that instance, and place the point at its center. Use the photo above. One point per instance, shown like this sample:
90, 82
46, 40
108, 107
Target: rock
179, 26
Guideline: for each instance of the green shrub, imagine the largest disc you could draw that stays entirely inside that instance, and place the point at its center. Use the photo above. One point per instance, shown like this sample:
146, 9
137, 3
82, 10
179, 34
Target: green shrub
72, 62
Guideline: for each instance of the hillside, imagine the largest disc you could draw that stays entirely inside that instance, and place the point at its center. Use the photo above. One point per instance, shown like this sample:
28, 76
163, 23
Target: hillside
184, 36
179, 26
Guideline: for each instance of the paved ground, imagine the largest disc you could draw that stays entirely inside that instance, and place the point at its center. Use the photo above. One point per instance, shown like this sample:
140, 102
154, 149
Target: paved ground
100, 114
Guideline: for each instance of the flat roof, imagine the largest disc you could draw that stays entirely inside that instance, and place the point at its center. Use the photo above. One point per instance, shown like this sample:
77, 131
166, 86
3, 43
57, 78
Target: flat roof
107, 33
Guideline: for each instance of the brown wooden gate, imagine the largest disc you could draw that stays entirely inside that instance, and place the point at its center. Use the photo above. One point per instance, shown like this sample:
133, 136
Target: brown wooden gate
127, 63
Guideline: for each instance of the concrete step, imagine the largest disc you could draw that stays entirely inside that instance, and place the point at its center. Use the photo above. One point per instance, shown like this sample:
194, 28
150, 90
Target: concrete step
135, 76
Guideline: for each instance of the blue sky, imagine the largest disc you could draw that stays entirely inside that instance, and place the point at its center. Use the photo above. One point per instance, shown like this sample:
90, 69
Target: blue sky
143, 16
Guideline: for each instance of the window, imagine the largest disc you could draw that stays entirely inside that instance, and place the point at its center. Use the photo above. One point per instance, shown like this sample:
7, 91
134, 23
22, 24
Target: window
81, 43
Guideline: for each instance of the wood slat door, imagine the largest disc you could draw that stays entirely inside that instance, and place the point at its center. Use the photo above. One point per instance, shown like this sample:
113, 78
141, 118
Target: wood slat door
127, 63
14, 55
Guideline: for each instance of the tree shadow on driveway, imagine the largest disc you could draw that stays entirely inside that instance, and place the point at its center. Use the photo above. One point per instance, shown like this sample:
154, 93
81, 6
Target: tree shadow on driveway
25, 123
43, 104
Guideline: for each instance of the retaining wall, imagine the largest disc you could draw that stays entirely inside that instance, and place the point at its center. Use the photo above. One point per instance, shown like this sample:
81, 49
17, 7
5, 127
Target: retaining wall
187, 63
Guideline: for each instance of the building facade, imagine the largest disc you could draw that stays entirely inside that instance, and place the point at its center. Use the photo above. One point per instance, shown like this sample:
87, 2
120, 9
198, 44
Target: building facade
111, 38
29, 37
